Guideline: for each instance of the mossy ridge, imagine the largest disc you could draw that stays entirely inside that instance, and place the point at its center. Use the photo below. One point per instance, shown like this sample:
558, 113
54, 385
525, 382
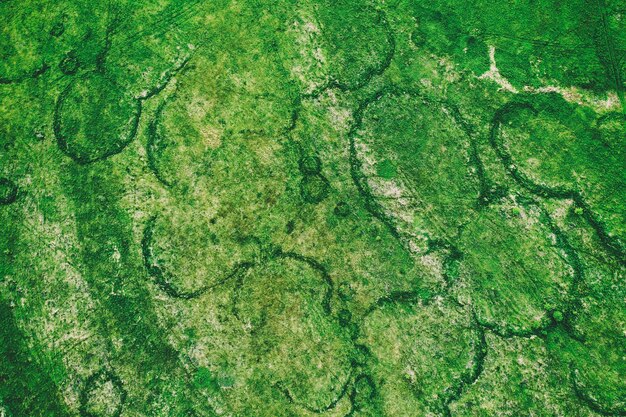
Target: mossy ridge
585, 345
363, 398
337, 54
406, 300
240, 379
314, 188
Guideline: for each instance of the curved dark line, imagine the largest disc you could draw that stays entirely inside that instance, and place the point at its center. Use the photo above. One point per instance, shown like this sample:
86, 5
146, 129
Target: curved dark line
163, 278
153, 138
396, 297
453, 257
613, 245
472, 375
391, 44
352, 394
310, 197
109, 376
344, 389
21, 78
480, 345
577, 277
506, 332
321, 269
278, 253
592, 403
169, 75
370, 74
62, 141
360, 180
486, 194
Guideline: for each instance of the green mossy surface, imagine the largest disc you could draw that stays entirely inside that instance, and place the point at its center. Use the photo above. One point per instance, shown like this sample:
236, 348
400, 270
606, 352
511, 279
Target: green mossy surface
341, 208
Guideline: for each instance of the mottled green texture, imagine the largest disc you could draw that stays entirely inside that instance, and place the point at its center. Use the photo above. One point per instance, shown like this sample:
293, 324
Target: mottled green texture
341, 208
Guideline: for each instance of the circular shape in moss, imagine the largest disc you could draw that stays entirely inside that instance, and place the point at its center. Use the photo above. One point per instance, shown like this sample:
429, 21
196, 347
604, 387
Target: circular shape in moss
342, 209
57, 29
311, 165
102, 396
94, 119
314, 188
185, 257
69, 64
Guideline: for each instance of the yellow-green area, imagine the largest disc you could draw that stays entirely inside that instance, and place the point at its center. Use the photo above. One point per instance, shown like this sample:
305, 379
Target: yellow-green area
349, 208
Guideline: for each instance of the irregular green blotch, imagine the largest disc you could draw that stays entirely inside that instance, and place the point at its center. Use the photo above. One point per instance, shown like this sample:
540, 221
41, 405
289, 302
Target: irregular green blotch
70, 64
386, 169
8, 191
204, 379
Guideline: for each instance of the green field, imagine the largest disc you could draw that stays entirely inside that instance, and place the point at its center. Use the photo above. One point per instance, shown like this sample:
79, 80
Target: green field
348, 208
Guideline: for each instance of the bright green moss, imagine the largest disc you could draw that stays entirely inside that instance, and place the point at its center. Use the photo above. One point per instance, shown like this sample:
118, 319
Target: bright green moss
299, 208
